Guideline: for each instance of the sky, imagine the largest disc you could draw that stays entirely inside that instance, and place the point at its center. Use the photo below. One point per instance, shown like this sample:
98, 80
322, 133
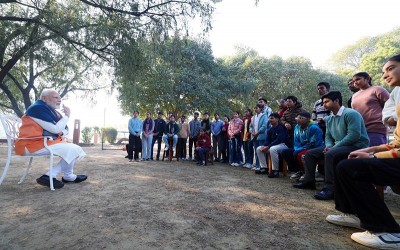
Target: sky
311, 28
314, 29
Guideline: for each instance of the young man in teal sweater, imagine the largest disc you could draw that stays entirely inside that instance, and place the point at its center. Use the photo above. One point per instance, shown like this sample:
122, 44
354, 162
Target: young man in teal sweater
345, 132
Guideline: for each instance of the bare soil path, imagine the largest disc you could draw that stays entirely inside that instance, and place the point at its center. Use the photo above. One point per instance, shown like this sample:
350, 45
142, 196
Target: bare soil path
165, 205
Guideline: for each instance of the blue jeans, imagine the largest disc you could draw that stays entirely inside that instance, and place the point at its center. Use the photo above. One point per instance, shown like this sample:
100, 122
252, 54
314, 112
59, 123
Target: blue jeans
201, 152
147, 143
256, 144
248, 152
236, 150
174, 140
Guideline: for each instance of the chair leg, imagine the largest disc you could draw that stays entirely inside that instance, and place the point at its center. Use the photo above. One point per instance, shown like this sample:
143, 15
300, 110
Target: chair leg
285, 167
7, 164
269, 162
26, 171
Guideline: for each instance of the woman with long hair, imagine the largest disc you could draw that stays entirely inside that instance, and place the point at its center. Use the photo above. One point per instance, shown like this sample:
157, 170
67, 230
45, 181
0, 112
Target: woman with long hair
369, 102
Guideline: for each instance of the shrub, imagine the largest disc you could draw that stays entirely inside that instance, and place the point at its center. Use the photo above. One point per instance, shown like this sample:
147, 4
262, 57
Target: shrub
110, 134
87, 134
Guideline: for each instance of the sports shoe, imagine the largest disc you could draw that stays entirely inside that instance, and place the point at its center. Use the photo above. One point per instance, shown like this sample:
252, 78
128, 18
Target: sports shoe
248, 166
346, 220
325, 194
377, 240
296, 175
166, 148
235, 164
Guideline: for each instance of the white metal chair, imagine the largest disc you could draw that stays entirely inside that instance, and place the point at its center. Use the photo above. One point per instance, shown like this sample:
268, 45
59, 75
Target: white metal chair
11, 124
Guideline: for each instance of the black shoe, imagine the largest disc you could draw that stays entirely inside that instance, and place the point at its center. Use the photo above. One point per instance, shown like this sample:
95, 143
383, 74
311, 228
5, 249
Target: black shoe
324, 194
199, 163
126, 156
305, 185
262, 171
79, 178
44, 180
216, 160
158, 158
273, 174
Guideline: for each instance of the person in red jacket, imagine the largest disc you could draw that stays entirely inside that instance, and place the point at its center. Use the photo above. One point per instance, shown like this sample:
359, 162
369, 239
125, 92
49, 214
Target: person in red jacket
202, 147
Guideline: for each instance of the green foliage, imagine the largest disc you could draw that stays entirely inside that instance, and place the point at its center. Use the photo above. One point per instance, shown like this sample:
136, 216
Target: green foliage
44, 46
87, 134
368, 54
109, 134
181, 76
177, 75
388, 45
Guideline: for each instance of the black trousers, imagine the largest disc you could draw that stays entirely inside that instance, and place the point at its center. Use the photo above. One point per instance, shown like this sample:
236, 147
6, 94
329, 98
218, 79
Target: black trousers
225, 149
134, 145
356, 194
192, 142
159, 141
181, 147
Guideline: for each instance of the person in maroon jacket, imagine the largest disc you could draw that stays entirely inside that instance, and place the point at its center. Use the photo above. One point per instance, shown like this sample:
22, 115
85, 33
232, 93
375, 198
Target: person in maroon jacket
202, 147
225, 140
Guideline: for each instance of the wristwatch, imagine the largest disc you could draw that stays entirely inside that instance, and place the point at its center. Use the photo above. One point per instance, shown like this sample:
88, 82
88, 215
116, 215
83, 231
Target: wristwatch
372, 155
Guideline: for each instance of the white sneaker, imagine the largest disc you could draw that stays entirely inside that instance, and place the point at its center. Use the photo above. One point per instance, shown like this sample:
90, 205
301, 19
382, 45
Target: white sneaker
249, 166
377, 240
346, 220
235, 164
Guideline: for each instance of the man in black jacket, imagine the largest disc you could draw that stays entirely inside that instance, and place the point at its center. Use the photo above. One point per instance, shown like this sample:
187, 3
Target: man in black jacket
159, 128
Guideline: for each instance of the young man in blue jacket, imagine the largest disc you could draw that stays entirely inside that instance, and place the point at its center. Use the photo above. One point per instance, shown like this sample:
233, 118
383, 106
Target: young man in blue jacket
277, 139
307, 135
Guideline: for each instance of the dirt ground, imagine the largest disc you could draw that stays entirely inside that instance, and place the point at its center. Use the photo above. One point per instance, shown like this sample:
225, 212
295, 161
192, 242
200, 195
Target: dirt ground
165, 205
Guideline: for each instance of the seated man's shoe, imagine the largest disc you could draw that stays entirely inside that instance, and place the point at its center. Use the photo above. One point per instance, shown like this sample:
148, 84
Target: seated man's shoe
381, 240
261, 171
44, 180
296, 175
79, 178
324, 194
304, 185
346, 220
273, 174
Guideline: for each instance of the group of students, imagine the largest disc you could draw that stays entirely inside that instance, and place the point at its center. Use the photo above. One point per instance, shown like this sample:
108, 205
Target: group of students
349, 146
